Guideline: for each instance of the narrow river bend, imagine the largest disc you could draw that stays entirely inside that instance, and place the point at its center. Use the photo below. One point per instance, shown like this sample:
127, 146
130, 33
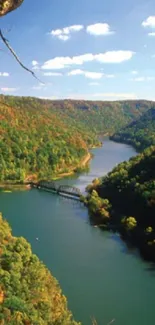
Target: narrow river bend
100, 276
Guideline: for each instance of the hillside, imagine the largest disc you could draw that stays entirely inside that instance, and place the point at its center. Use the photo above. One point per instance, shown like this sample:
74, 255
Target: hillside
43, 138
29, 294
139, 133
126, 198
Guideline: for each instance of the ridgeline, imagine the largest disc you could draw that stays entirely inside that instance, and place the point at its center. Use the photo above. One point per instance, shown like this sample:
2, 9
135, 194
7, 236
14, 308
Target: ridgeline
42, 139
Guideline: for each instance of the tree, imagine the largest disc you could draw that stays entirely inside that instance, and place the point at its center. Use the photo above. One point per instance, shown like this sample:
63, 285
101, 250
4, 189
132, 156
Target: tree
9, 5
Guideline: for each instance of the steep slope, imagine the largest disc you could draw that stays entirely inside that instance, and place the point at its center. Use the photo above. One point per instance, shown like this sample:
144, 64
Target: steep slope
126, 198
29, 294
43, 138
140, 133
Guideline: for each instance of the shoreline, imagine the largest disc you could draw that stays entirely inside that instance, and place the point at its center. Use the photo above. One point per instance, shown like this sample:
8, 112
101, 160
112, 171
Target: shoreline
26, 185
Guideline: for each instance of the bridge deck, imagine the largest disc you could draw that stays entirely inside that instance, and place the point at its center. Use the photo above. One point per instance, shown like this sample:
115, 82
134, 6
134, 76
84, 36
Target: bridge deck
63, 190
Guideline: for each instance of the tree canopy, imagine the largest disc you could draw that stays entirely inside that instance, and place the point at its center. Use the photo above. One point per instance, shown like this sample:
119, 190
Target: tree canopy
42, 138
29, 294
9, 5
127, 194
139, 133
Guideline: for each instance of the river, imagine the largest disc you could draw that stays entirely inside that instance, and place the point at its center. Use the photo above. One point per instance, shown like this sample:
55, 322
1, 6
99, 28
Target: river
100, 276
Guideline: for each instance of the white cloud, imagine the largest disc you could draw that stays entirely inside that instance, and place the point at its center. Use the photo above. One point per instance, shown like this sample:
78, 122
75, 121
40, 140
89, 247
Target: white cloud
107, 57
94, 83
99, 29
93, 75
114, 56
151, 34
64, 37
141, 79
49, 97
102, 96
150, 78
34, 63
110, 76
39, 86
6, 89
75, 72
149, 22
114, 96
4, 74
52, 74
134, 72
65, 33
87, 74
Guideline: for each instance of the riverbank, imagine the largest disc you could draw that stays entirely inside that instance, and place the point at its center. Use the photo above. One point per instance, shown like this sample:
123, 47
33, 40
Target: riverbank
125, 198
17, 185
84, 162
91, 265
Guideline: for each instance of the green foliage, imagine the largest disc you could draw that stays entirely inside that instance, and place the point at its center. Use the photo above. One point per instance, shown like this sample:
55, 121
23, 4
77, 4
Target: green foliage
98, 206
42, 138
29, 294
149, 230
140, 133
129, 223
130, 189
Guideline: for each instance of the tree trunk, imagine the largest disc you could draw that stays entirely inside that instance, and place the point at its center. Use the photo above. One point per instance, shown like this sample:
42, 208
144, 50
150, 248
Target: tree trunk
8, 5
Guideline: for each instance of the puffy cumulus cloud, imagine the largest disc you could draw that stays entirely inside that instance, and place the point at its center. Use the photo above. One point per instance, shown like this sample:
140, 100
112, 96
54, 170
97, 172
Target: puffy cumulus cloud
114, 56
8, 90
65, 61
107, 57
4, 74
99, 29
87, 74
149, 22
65, 33
52, 74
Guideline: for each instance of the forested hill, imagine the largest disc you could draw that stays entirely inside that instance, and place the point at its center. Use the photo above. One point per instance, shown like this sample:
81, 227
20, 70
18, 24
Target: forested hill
140, 133
29, 294
100, 116
126, 198
42, 138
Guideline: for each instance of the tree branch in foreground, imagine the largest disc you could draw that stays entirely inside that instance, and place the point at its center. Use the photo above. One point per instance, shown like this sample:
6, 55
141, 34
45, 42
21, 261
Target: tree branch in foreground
94, 322
6, 42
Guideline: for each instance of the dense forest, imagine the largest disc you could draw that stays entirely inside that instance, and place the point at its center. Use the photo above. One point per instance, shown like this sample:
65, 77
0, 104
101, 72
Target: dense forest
42, 138
29, 294
125, 199
139, 133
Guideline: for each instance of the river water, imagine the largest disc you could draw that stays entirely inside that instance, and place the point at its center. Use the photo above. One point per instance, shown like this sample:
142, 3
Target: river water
100, 276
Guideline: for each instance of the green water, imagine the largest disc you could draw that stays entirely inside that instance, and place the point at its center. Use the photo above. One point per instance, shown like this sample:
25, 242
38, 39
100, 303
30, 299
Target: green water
100, 276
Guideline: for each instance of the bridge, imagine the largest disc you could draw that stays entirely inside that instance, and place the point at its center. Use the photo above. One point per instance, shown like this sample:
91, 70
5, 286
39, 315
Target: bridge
63, 190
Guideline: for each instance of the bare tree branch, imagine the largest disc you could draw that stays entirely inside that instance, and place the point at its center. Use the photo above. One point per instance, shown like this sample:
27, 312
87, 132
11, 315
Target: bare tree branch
6, 42
94, 322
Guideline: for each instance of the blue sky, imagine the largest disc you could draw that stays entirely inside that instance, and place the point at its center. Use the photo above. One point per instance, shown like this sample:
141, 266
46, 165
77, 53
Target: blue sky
85, 49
